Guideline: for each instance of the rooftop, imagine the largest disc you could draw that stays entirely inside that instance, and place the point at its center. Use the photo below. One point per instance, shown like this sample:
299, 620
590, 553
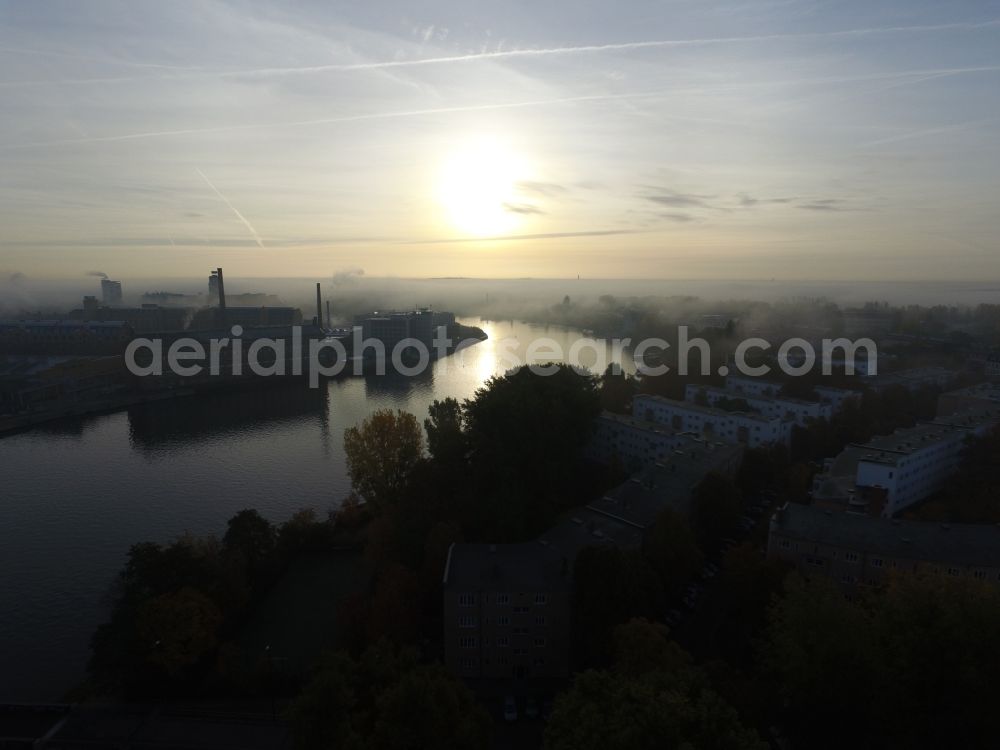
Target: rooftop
707, 410
966, 544
526, 565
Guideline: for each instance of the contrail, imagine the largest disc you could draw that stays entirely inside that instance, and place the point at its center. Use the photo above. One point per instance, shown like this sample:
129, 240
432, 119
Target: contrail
240, 216
919, 134
542, 52
326, 121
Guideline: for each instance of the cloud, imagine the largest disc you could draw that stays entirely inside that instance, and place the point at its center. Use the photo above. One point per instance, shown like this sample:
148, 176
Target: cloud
749, 201
826, 204
679, 200
97, 273
677, 216
522, 208
500, 54
547, 189
516, 237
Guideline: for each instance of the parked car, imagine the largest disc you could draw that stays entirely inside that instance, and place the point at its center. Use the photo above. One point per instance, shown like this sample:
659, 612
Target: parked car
531, 707
509, 708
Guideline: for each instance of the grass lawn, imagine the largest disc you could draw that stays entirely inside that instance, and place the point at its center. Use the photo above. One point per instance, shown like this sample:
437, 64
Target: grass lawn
298, 617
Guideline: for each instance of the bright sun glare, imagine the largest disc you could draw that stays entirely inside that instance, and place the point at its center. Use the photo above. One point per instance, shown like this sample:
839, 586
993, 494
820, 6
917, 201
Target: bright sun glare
478, 186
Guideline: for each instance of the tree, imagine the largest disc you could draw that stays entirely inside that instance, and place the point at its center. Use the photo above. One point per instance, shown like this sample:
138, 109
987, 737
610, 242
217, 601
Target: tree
715, 510
253, 537
180, 628
526, 434
385, 699
445, 439
610, 587
381, 453
661, 701
617, 390
673, 551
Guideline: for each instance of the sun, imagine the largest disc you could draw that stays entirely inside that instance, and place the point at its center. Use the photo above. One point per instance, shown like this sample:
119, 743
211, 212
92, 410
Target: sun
477, 187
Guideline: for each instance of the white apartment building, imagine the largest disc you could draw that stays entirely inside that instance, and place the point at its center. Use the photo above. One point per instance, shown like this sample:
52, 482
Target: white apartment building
902, 468
796, 410
752, 430
747, 386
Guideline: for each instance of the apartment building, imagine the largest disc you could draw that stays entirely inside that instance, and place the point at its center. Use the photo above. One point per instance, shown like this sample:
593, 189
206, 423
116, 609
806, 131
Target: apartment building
508, 608
507, 611
981, 395
914, 379
892, 472
752, 430
796, 410
631, 442
856, 550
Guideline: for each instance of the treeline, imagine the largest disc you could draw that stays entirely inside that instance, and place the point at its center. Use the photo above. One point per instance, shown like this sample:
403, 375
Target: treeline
177, 608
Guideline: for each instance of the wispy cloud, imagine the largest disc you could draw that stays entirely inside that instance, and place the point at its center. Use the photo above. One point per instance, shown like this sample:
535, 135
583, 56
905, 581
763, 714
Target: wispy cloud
522, 208
922, 133
239, 216
504, 54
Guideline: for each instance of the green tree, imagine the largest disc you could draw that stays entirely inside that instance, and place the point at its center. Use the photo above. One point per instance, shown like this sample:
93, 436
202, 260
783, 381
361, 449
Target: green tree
381, 453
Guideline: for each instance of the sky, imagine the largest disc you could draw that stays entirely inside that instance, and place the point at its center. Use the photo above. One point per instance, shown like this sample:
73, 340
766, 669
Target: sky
748, 139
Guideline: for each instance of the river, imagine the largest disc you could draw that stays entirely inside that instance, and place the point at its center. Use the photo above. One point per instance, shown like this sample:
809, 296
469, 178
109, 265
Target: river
74, 495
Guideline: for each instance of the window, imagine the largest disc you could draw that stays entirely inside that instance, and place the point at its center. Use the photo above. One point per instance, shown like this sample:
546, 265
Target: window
520, 631
539, 619
468, 663
851, 557
539, 662
520, 652
541, 598
466, 600
503, 620
503, 641
876, 562
503, 598
539, 643
980, 574
503, 660
954, 571
785, 544
467, 641
520, 610
466, 621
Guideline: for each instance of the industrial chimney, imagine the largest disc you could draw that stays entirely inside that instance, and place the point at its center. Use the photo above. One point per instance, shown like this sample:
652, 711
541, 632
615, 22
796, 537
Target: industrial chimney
319, 307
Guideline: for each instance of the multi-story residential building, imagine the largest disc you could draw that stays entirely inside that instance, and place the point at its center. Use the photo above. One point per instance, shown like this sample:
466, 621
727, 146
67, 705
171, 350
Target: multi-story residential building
981, 395
892, 472
507, 607
919, 377
799, 411
857, 550
507, 611
631, 442
752, 430
836, 397
748, 386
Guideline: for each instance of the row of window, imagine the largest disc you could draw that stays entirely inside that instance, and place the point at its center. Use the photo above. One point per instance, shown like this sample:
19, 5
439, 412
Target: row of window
503, 641
471, 621
503, 661
878, 562
469, 600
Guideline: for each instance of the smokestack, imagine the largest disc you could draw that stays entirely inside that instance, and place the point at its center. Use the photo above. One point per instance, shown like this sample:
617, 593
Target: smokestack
222, 297
319, 306
329, 321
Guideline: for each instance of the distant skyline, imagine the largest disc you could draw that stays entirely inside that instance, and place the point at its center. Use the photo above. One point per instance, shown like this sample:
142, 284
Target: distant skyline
786, 139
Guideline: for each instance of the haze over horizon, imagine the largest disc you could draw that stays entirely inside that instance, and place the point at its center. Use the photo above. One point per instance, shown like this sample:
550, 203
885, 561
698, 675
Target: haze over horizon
785, 139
